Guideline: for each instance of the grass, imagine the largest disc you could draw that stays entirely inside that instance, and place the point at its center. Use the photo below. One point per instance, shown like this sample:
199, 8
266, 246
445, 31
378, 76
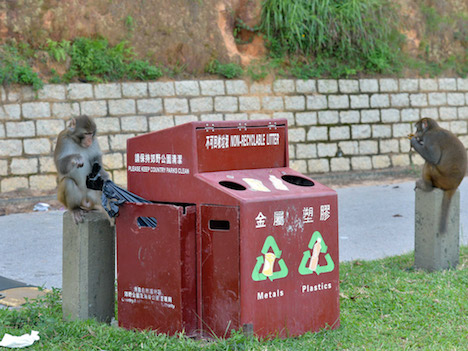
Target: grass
385, 305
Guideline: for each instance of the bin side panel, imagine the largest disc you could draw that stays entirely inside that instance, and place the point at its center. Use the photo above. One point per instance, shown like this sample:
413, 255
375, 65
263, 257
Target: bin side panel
290, 284
220, 269
150, 269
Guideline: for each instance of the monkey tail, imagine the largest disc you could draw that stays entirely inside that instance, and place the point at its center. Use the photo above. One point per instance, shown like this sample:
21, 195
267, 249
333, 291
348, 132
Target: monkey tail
446, 200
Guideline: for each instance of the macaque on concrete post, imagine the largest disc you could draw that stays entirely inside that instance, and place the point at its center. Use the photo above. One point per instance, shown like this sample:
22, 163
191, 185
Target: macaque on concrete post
76, 151
446, 162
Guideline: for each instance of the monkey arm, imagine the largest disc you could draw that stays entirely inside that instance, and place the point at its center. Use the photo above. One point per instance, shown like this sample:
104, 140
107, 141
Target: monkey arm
430, 152
66, 164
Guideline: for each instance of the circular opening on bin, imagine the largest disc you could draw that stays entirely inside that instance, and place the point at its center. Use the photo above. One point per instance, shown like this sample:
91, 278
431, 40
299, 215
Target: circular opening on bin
292, 179
232, 185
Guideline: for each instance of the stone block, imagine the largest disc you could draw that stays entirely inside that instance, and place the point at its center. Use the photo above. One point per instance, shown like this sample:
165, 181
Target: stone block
236, 87
361, 163
401, 130
306, 118
20, 129
226, 104
456, 99
49, 127
327, 149
390, 115
418, 100
65, 109
249, 103
370, 116
348, 86
437, 99
10, 111
260, 88
107, 124
185, 119
359, 101
107, 91
294, 103
318, 166
176, 105
340, 164
88, 268
448, 113
462, 84
11, 147
380, 100
157, 89
380, 161
369, 85
212, 87
449, 84
434, 250
79, 91
211, 117
36, 110
13, 183
410, 114
409, 85
287, 115
306, 86
119, 141
381, 131
43, 182
160, 122
338, 101
328, 117
388, 85
306, 151
273, 103
428, 84
135, 89
327, 86
349, 116
317, 102
187, 88
339, 133
37, 146
400, 100
122, 107
284, 86
202, 104
134, 124
52, 92
361, 131
296, 135
149, 106
94, 108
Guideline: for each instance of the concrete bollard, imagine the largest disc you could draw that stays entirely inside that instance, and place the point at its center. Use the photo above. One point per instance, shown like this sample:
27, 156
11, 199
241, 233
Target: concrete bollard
88, 289
435, 251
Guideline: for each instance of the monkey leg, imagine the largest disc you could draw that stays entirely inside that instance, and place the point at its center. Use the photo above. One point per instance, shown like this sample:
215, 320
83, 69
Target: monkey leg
425, 183
72, 196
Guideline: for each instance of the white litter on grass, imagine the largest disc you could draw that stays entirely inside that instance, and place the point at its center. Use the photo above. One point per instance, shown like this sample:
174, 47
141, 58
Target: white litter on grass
41, 206
18, 342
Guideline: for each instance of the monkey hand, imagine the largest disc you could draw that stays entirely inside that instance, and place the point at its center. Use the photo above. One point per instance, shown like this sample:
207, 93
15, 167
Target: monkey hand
410, 136
78, 161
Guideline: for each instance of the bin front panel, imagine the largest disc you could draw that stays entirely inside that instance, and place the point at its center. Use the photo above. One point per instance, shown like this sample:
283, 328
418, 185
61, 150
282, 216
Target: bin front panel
290, 265
156, 268
220, 269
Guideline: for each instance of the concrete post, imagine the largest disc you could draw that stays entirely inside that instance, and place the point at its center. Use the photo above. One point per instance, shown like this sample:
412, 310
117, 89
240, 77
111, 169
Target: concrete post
88, 289
433, 250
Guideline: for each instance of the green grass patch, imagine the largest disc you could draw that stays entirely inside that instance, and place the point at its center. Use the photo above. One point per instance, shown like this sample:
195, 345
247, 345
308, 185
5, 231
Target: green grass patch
385, 305
15, 67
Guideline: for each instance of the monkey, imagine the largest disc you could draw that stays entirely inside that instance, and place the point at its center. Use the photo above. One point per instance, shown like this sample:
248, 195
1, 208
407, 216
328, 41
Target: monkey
75, 153
446, 162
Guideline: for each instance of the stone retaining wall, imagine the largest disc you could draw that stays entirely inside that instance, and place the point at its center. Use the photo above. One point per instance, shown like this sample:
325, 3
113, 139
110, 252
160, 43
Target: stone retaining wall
334, 125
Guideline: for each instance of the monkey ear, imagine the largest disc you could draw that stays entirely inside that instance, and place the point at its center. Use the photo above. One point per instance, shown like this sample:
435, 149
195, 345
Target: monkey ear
424, 123
72, 124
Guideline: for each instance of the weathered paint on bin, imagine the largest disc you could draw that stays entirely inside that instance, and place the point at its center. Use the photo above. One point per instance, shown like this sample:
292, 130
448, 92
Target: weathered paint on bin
266, 236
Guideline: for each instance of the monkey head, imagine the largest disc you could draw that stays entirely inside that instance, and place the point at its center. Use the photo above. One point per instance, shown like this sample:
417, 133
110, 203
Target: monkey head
82, 130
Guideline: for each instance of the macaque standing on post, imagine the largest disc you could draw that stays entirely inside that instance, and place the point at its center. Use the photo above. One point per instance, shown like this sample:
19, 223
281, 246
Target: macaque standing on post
76, 151
446, 161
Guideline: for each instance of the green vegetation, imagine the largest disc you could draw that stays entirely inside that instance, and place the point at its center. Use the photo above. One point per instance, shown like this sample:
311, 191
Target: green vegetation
95, 61
333, 37
15, 68
385, 305
229, 70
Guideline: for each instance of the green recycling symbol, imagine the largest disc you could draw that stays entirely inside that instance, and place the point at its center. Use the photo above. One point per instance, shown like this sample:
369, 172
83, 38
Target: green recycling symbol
270, 257
317, 245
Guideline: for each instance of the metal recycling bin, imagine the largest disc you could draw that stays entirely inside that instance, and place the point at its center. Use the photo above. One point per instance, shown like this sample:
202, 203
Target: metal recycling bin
266, 236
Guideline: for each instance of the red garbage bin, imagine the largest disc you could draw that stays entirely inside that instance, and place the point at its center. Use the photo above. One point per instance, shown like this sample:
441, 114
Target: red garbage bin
266, 236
